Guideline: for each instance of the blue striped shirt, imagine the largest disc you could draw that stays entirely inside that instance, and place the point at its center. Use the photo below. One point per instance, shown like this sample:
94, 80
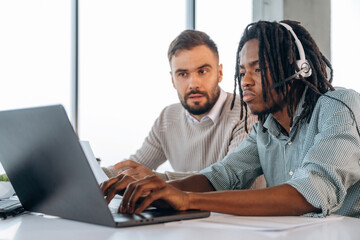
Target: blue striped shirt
321, 159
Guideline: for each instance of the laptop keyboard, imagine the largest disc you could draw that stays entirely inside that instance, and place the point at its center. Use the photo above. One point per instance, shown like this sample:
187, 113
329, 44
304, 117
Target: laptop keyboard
9, 204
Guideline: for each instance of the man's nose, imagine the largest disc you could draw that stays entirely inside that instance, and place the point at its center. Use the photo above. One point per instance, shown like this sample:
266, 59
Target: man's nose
247, 80
194, 81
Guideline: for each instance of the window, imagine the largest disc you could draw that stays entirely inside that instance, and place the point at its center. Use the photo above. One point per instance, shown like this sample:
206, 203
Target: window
345, 38
225, 24
35, 53
124, 71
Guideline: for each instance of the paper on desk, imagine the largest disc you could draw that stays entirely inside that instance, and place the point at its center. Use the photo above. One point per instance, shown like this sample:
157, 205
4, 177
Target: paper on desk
257, 223
95, 167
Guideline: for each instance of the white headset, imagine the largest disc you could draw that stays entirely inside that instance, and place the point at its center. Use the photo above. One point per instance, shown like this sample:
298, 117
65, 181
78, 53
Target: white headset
303, 64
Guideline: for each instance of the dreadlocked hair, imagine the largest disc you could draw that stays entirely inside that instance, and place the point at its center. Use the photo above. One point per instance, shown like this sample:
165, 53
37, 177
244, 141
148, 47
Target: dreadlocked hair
277, 55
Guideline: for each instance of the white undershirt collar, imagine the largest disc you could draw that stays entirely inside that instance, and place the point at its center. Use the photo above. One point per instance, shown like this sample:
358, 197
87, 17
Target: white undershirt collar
214, 113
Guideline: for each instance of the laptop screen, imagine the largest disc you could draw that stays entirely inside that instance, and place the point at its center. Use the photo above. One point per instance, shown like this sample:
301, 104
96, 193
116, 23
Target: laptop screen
49, 171
45, 163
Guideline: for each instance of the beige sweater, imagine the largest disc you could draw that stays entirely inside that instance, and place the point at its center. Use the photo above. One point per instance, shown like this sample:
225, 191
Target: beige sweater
190, 146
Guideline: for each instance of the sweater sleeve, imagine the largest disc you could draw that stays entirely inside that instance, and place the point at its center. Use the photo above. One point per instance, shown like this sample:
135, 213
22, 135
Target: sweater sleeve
111, 172
151, 154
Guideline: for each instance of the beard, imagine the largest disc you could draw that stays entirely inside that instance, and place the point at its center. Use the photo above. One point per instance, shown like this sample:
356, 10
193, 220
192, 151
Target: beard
269, 109
273, 107
199, 109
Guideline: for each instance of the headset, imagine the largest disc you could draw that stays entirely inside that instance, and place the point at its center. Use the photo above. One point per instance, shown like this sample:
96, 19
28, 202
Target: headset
305, 71
303, 64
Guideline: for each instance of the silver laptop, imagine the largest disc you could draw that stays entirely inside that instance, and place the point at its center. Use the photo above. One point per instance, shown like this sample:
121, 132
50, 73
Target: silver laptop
48, 169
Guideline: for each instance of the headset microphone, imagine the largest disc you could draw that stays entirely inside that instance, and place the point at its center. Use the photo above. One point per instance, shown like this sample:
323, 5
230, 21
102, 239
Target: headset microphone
279, 84
303, 64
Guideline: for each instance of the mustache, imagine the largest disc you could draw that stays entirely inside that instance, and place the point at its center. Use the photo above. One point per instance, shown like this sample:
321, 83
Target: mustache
194, 92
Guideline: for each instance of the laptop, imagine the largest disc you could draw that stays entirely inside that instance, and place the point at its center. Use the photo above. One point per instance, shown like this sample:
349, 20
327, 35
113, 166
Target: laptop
48, 169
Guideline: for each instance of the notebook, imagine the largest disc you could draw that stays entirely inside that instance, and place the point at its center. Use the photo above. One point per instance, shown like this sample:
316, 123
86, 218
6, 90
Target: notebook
48, 169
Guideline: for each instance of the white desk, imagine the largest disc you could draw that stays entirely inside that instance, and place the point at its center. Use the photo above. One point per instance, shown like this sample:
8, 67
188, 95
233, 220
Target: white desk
37, 227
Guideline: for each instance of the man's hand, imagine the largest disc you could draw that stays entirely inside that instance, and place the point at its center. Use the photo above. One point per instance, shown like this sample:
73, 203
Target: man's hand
143, 192
148, 190
134, 169
114, 186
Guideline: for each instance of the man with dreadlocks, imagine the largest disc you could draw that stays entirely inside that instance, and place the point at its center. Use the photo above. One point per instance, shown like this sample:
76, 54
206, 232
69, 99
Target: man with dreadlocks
306, 142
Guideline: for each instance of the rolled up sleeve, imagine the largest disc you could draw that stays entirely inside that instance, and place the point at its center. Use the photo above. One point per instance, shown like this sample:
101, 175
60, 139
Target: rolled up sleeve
237, 170
331, 165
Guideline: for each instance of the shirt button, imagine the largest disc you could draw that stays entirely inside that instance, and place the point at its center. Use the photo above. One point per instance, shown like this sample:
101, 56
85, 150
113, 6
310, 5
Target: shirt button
289, 143
291, 173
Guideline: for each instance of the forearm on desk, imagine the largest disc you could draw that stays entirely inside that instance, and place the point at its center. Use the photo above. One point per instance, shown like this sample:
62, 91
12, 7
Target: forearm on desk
283, 200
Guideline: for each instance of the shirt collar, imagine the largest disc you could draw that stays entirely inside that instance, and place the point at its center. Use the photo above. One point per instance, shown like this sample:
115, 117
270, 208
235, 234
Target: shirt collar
214, 113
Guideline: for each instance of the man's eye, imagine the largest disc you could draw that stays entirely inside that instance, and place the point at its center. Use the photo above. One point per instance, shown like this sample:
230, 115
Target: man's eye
182, 74
203, 71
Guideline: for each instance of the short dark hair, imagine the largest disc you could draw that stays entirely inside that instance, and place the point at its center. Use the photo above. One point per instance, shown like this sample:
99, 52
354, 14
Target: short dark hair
189, 39
277, 55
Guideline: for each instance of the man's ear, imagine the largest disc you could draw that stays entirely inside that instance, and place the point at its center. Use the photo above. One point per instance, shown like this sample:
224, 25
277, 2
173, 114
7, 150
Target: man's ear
172, 80
220, 72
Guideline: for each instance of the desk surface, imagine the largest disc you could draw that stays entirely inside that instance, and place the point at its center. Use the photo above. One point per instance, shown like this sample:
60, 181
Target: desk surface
28, 226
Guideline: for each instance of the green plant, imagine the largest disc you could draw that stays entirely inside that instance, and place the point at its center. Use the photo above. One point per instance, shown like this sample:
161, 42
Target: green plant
4, 178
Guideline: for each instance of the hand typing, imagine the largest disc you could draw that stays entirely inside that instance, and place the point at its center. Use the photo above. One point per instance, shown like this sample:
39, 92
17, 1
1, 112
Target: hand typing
143, 192
133, 169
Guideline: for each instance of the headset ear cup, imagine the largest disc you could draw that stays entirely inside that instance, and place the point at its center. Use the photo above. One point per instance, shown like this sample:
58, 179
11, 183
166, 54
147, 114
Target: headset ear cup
302, 63
304, 67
